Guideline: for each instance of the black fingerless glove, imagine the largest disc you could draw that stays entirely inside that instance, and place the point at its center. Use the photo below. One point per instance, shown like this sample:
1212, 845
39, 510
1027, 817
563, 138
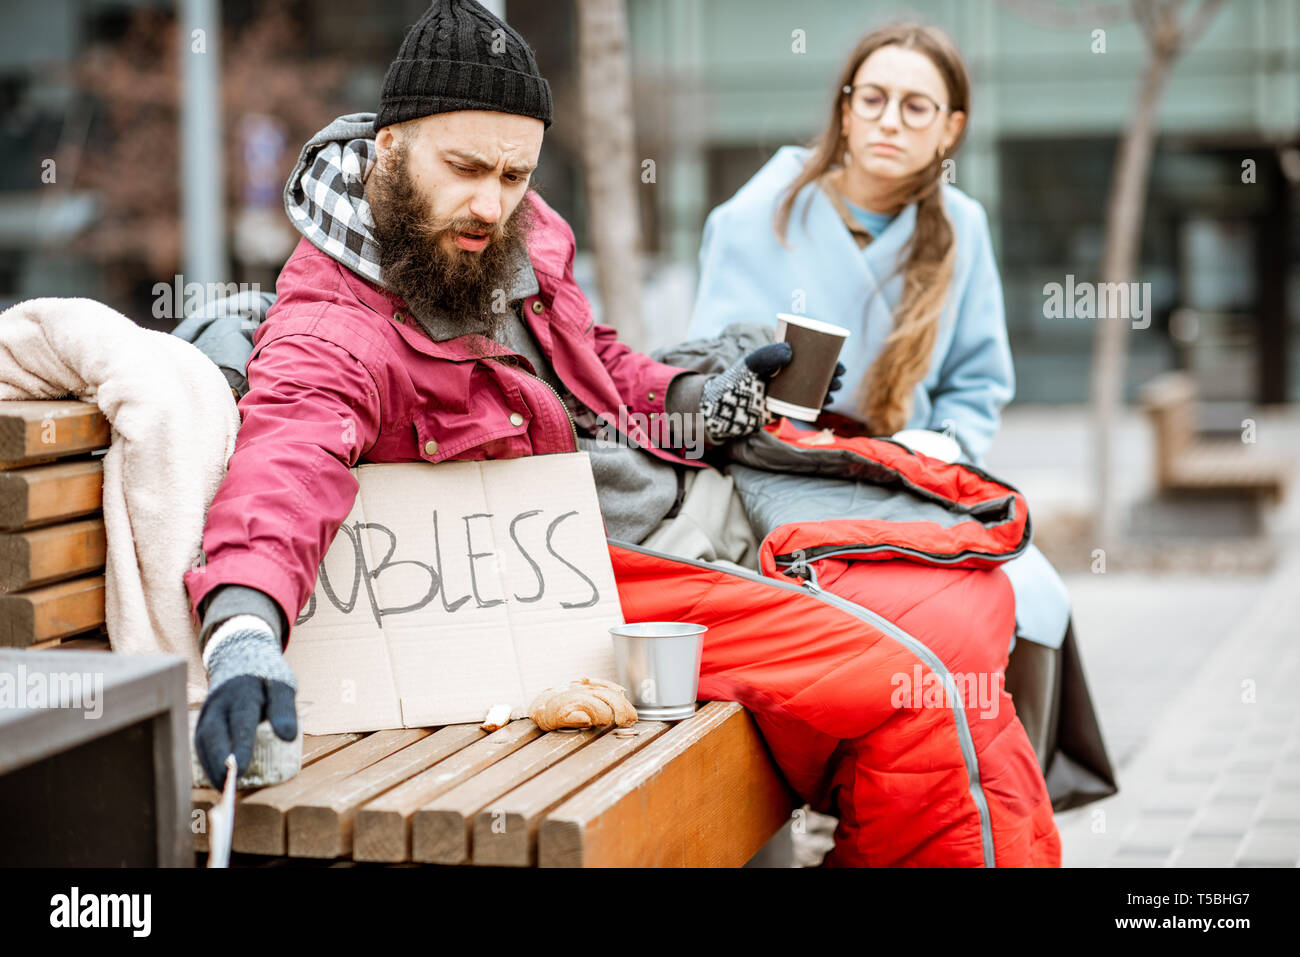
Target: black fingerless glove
734, 403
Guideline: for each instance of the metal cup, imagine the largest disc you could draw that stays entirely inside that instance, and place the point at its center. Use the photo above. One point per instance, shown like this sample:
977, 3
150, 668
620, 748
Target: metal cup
658, 662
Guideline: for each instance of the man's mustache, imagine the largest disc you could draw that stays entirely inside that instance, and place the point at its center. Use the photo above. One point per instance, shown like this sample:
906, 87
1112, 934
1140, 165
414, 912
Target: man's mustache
476, 227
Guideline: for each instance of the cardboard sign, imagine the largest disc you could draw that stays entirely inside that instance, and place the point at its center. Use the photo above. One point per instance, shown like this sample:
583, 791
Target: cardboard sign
453, 587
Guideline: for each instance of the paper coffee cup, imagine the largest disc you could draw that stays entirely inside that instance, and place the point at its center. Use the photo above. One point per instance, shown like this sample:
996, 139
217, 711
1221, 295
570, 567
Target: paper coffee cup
798, 390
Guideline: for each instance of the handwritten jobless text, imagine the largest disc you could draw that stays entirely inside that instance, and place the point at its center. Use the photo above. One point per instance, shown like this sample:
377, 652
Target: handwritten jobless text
439, 587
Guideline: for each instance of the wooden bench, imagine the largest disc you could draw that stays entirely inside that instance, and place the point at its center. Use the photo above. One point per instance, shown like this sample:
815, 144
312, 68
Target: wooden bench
52, 542
702, 792
699, 792
1189, 464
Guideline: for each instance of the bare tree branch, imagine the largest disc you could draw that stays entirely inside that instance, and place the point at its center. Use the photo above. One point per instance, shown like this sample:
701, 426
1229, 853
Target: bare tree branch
1200, 21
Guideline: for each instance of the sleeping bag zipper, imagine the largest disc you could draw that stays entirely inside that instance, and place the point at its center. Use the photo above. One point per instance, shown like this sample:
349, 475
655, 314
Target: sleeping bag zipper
799, 556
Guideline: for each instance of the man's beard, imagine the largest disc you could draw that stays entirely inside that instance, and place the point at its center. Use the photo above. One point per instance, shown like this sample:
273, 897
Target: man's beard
469, 287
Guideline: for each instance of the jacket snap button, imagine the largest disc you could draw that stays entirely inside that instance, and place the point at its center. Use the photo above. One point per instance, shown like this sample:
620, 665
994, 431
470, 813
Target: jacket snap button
398, 317
651, 396
516, 418
537, 307
431, 447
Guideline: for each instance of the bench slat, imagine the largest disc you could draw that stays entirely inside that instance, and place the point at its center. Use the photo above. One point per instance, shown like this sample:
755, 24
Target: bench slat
314, 747
320, 824
40, 556
51, 611
506, 834
38, 430
43, 494
708, 781
441, 830
317, 746
1243, 466
260, 818
382, 829
95, 642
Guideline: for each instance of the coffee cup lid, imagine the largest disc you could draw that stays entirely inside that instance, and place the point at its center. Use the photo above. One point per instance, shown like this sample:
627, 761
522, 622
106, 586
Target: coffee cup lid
816, 325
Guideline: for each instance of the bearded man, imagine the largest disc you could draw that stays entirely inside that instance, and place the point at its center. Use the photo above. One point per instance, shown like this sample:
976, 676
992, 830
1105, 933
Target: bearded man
428, 314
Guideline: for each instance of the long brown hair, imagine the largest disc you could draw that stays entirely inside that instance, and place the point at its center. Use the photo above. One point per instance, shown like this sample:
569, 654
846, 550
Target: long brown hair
886, 403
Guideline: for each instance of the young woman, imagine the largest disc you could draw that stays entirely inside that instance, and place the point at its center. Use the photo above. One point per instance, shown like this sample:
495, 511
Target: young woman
861, 229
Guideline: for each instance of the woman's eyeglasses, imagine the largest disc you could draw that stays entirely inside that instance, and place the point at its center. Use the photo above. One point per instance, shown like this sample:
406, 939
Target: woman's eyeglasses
916, 109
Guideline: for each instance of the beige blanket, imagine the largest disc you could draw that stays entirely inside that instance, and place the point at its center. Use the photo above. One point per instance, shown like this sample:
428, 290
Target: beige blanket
174, 423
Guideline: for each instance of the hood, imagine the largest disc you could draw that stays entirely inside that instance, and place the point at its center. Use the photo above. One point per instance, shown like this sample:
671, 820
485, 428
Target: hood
326, 201
325, 195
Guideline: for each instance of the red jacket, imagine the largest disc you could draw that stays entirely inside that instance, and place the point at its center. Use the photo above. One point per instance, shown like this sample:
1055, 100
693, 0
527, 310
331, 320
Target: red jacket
341, 374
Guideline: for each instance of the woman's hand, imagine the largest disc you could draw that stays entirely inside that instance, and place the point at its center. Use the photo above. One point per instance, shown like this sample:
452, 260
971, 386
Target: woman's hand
836, 382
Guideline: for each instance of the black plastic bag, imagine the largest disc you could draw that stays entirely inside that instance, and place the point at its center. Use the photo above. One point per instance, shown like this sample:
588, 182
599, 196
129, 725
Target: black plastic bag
1052, 700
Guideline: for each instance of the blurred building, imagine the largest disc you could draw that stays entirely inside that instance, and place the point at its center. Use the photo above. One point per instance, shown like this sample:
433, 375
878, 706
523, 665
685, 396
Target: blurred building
721, 84
47, 112
722, 87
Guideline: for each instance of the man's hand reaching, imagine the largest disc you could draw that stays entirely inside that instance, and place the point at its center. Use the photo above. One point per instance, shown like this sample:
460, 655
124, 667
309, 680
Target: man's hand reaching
734, 402
248, 681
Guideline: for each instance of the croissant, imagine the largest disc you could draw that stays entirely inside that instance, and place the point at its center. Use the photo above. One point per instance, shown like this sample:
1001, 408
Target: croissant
585, 703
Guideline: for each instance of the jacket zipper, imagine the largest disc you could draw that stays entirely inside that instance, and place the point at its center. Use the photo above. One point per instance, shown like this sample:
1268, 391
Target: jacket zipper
913, 644
573, 426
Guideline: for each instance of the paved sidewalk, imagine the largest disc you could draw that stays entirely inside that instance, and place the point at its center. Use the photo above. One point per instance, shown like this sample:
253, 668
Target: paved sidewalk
1217, 780
1194, 676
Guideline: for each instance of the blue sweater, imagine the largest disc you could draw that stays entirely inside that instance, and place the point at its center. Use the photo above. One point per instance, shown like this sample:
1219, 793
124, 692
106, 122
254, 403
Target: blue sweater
875, 222
747, 276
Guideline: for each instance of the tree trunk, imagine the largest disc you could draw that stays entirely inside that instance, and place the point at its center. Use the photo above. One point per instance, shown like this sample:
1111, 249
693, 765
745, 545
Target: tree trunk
1168, 35
1125, 209
609, 162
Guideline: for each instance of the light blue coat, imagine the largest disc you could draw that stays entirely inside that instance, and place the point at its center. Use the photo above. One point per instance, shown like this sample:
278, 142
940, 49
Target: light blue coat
747, 276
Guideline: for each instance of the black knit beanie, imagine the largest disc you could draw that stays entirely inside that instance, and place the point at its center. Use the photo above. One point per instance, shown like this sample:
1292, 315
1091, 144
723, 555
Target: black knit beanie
458, 56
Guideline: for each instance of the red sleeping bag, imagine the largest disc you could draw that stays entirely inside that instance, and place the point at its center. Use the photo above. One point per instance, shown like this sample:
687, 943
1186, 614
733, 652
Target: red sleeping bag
871, 654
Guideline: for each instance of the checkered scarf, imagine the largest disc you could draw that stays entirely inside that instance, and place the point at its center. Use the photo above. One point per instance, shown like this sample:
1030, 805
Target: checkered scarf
325, 196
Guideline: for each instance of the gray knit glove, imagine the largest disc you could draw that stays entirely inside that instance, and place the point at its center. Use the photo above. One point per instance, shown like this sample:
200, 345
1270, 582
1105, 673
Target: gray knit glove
248, 680
734, 402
